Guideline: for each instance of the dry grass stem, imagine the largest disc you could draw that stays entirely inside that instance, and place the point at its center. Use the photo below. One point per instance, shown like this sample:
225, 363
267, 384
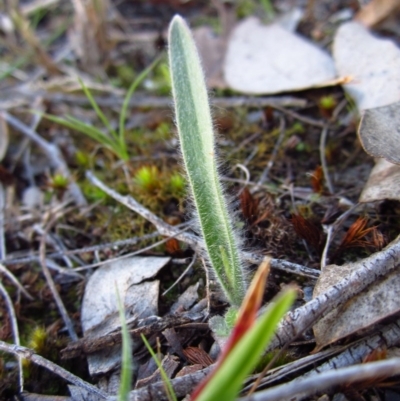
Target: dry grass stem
60, 305
94, 248
52, 152
15, 332
324, 164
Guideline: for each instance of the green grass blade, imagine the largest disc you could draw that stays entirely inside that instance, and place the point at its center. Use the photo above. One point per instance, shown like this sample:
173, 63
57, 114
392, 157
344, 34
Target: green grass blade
170, 391
129, 93
195, 128
126, 362
98, 111
89, 130
227, 380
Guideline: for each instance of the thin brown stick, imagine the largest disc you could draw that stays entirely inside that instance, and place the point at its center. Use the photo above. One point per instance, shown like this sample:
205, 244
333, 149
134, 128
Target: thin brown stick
30, 355
297, 116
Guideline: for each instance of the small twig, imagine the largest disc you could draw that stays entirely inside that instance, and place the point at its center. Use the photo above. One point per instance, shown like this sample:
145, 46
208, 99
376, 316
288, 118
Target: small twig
165, 102
127, 255
162, 227
51, 151
182, 386
94, 248
292, 369
61, 308
146, 326
387, 337
15, 281
331, 231
328, 230
30, 355
15, 332
324, 164
181, 276
4, 293
246, 172
300, 117
284, 266
243, 144
299, 389
52, 242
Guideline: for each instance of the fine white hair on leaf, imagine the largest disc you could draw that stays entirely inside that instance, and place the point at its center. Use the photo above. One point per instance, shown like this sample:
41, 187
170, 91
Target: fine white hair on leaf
196, 132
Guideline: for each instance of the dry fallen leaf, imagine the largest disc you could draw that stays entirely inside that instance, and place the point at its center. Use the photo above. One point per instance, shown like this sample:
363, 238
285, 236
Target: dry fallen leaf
99, 313
269, 59
372, 62
383, 183
376, 11
379, 301
379, 132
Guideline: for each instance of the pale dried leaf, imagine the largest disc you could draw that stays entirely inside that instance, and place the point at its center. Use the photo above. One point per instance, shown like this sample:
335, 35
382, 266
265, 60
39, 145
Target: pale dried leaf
379, 132
379, 301
376, 11
383, 183
99, 314
187, 299
269, 59
373, 64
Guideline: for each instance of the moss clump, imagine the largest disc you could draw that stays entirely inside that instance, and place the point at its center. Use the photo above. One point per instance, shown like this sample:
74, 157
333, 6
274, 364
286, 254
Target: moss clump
146, 179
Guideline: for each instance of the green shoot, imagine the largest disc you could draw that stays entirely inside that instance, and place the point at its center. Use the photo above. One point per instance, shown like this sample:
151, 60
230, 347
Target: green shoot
129, 94
227, 379
115, 142
97, 109
168, 386
197, 143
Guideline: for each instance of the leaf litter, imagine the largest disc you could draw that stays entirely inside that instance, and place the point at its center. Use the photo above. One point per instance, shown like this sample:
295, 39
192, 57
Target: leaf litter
266, 219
